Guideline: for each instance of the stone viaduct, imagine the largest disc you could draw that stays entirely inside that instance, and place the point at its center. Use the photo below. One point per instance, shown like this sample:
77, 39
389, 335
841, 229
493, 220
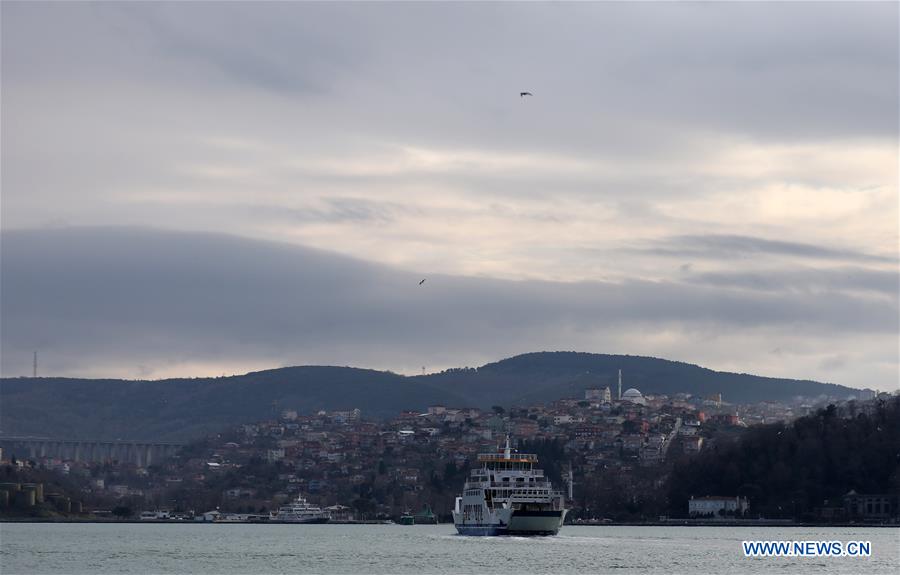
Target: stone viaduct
140, 453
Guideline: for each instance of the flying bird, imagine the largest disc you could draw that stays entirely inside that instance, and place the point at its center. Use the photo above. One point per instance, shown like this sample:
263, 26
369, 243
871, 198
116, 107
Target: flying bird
523, 94
423, 281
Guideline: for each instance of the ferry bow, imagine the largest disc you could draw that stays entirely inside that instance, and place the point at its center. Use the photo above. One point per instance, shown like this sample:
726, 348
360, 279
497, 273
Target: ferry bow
507, 495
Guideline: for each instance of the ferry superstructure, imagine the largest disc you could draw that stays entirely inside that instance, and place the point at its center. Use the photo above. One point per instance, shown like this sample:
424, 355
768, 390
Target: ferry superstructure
507, 495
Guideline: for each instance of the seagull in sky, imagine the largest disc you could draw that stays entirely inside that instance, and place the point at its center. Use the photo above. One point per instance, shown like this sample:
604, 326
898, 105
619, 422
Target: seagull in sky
523, 94
423, 281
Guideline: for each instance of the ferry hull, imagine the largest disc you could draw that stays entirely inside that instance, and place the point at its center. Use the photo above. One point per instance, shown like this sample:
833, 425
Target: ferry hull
317, 520
521, 523
536, 522
480, 530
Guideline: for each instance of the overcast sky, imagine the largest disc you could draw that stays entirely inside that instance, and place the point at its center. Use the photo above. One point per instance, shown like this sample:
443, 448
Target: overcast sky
208, 188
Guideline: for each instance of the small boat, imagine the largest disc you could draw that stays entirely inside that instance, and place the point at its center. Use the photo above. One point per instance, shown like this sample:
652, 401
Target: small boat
407, 519
426, 516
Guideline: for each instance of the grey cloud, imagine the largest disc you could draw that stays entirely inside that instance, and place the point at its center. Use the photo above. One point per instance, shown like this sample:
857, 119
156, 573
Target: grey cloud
834, 362
335, 209
280, 48
147, 297
804, 280
608, 76
716, 246
115, 95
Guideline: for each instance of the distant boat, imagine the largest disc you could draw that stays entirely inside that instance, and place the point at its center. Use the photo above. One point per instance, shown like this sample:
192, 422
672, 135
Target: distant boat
301, 511
407, 518
426, 516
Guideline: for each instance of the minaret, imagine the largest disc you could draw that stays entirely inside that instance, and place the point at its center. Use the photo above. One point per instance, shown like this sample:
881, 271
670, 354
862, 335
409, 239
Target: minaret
571, 482
34, 372
507, 452
620, 385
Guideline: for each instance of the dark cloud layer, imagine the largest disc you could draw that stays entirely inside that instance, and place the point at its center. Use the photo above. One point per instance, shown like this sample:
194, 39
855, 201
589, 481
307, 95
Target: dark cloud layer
138, 297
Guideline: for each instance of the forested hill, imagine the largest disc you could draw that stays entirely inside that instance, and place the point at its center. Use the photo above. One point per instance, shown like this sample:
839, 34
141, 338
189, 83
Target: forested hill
545, 376
179, 409
176, 409
788, 471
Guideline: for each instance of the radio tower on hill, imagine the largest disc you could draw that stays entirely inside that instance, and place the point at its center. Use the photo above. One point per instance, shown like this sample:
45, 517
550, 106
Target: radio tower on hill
34, 367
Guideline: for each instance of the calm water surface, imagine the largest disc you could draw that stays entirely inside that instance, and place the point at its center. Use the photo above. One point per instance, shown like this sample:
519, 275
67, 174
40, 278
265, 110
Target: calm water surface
197, 548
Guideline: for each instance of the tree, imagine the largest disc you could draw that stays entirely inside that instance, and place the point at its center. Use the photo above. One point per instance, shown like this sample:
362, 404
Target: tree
450, 471
788, 470
122, 512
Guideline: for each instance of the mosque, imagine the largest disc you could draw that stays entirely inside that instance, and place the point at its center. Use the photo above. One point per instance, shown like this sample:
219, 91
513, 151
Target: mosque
631, 395
634, 396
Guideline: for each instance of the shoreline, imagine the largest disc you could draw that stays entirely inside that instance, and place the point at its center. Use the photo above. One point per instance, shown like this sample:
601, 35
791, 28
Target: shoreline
685, 523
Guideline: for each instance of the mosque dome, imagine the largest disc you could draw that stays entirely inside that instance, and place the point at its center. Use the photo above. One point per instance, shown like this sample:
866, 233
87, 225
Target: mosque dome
634, 396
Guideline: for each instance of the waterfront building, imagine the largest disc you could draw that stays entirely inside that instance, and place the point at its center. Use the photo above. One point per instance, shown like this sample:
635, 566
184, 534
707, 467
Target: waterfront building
716, 506
873, 506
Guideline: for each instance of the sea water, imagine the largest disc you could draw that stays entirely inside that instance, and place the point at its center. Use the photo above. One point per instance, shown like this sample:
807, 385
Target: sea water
98, 548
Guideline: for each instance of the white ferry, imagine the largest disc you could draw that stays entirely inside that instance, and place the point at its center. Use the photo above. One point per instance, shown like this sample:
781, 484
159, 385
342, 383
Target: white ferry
301, 511
508, 496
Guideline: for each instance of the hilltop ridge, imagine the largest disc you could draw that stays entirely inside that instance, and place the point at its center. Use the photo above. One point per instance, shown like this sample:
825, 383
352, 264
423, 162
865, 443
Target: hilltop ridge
179, 409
